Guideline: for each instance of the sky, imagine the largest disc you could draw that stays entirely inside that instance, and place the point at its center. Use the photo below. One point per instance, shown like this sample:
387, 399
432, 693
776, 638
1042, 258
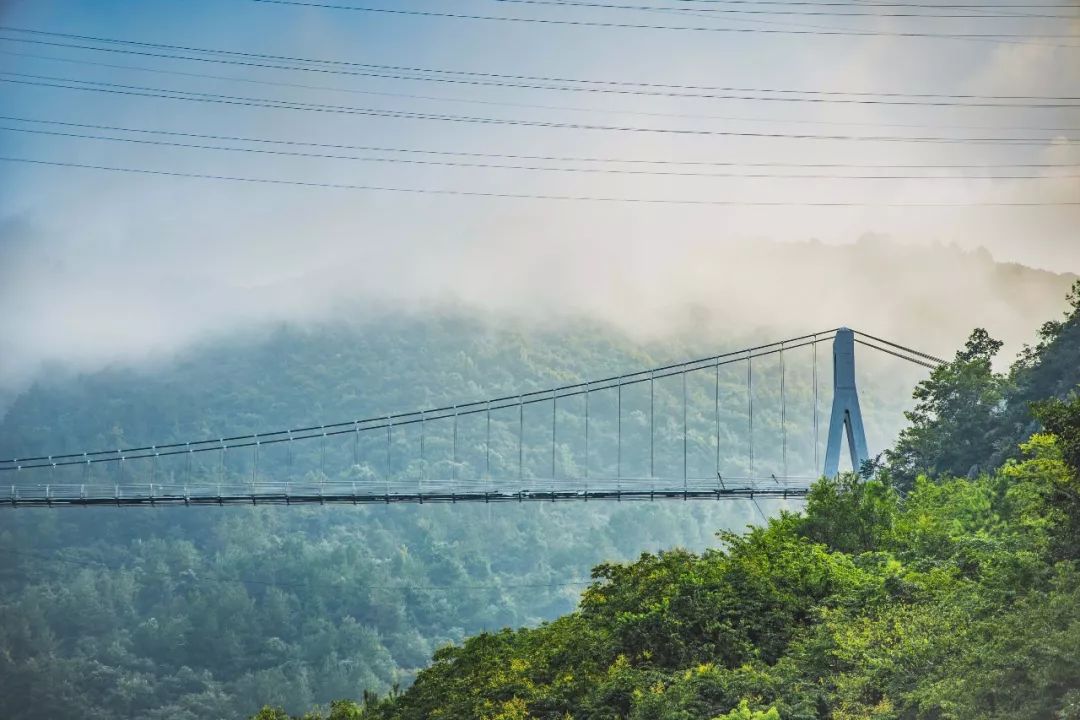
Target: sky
103, 265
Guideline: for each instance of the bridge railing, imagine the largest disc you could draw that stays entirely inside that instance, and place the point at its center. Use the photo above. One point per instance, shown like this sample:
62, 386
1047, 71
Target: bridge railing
45, 495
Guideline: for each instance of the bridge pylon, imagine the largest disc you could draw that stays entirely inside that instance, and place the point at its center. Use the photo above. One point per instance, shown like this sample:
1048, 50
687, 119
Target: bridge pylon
846, 416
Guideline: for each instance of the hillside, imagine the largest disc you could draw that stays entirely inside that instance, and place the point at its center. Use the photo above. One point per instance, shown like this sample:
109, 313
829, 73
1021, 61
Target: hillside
174, 613
917, 593
179, 614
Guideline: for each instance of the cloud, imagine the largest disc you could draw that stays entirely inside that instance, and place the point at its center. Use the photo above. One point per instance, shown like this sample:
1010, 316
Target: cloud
99, 268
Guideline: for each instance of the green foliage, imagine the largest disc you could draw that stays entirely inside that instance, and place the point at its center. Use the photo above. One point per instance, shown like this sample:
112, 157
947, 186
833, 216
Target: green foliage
1048, 370
944, 588
1062, 419
201, 614
956, 410
848, 514
951, 604
743, 712
969, 418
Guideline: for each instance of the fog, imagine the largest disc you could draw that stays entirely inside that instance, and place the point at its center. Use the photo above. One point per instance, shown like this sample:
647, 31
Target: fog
98, 268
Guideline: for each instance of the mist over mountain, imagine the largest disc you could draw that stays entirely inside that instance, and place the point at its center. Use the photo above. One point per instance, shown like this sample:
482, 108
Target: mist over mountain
706, 293
190, 613
469, 251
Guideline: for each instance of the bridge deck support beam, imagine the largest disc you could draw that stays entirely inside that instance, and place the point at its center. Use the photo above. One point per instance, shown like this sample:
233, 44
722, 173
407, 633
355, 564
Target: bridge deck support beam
846, 415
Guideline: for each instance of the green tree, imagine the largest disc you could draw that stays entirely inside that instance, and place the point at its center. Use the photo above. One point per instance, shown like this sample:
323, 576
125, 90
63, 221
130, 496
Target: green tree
849, 514
743, 712
1062, 420
952, 425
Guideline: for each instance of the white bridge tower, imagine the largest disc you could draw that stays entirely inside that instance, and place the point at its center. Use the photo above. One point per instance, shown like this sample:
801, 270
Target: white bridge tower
846, 415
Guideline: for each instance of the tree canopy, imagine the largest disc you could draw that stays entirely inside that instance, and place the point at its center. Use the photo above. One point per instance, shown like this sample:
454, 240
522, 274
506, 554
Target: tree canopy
945, 586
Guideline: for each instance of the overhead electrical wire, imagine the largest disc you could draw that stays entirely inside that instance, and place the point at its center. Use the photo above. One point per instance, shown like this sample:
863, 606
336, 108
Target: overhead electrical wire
165, 93
992, 37
848, 3
547, 158
1068, 103
535, 196
533, 168
787, 23
705, 11
538, 106
554, 83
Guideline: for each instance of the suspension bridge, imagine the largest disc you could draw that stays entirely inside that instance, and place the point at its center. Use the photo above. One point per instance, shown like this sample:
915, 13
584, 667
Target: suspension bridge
660, 433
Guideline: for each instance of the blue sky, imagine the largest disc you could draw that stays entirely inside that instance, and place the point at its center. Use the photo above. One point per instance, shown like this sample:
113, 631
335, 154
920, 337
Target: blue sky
123, 253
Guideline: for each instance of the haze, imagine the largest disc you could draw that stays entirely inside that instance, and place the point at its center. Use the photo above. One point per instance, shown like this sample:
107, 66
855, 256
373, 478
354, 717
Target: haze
99, 267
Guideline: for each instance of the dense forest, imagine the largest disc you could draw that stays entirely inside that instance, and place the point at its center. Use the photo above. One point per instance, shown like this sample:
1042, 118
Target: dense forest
944, 582
174, 613
180, 614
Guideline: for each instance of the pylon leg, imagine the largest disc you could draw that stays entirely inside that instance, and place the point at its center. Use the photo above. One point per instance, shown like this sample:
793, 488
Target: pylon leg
846, 415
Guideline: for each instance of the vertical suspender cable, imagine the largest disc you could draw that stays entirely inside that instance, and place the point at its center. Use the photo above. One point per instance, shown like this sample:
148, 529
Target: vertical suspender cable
453, 450
716, 400
652, 427
586, 435
750, 407
423, 455
554, 405
322, 453
816, 436
521, 438
783, 413
487, 442
356, 444
389, 456
684, 433
618, 440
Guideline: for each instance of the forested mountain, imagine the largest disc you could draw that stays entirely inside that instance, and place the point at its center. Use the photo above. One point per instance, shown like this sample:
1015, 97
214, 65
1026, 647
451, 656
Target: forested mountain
941, 587
174, 613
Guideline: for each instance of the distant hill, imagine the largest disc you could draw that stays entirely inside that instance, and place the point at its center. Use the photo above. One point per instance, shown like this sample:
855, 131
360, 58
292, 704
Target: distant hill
185, 614
930, 295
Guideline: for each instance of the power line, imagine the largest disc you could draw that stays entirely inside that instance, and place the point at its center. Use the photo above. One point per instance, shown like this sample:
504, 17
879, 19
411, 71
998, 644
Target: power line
697, 13
535, 196
993, 37
539, 106
493, 166
774, 12
169, 94
547, 158
692, 12
589, 84
827, 3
